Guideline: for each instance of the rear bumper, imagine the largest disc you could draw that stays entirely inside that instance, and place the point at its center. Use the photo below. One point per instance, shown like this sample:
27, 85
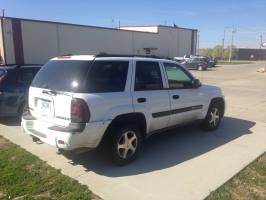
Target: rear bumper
90, 137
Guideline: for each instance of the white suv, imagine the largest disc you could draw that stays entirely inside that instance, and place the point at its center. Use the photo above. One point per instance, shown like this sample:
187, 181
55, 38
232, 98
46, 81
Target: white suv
83, 101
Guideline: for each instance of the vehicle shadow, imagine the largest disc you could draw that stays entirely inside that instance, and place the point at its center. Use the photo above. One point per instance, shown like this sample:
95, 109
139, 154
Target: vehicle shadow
166, 149
10, 121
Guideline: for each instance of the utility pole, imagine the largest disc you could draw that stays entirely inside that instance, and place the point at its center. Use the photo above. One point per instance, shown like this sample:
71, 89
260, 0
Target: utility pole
113, 21
223, 42
261, 41
232, 43
223, 45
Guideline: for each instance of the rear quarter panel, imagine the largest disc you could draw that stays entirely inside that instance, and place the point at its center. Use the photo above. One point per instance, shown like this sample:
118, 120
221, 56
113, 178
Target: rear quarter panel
106, 106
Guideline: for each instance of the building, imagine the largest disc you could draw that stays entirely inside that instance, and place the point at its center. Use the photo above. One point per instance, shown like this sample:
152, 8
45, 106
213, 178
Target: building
250, 54
33, 41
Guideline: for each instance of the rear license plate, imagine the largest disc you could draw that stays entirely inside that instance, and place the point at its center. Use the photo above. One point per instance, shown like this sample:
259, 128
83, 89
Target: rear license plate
44, 107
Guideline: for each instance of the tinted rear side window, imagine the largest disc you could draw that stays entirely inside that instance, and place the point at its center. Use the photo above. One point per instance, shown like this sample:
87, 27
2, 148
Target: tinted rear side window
62, 75
107, 76
26, 75
7, 78
148, 76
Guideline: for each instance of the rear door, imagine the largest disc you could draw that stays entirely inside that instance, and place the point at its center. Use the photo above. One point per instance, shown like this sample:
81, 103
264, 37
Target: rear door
52, 89
150, 95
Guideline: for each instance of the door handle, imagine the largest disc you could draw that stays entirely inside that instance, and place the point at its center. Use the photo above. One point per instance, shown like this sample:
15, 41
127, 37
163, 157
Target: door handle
175, 96
141, 100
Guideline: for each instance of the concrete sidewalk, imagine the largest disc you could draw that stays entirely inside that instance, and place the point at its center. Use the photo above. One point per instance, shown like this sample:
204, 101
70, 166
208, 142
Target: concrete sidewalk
185, 163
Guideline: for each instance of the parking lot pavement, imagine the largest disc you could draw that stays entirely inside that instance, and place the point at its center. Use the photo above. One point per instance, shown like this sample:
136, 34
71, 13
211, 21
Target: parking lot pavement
185, 163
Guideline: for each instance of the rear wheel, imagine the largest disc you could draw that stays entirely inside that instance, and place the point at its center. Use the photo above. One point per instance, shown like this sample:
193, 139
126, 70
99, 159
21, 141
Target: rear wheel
213, 118
125, 145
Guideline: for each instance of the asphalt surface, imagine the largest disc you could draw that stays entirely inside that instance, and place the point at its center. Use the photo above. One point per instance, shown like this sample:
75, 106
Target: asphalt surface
185, 163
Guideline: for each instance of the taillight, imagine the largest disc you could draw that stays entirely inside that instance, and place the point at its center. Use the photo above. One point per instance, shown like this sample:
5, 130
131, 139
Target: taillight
80, 112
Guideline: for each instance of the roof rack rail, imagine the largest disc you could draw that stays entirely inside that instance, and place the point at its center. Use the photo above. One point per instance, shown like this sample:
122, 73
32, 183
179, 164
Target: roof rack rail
18, 65
68, 54
129, 55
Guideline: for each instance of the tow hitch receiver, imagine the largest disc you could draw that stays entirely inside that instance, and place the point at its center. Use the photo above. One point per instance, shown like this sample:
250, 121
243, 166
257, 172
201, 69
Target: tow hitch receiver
36, 140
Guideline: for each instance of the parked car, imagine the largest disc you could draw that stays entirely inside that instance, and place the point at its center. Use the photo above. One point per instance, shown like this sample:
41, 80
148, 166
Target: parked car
212, 62
116, 101
179, 59
195, 63
15, 81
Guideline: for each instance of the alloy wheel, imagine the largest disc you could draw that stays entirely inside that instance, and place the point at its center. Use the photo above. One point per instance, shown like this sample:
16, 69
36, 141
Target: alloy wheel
214, 117
127, 144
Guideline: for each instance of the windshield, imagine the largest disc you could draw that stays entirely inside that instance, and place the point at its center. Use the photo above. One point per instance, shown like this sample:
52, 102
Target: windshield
62, 75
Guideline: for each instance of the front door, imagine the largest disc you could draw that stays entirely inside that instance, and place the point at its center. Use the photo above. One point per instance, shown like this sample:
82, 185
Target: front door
186, 102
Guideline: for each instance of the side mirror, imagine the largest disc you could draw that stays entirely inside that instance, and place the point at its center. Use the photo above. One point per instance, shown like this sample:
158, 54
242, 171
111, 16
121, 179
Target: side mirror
196, 83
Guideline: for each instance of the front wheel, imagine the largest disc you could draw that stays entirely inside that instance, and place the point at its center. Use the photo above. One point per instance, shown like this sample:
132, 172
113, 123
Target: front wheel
213, 118
126, 142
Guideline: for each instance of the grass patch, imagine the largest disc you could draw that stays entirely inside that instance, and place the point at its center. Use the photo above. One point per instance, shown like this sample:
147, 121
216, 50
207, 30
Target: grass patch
25, 177
235, 62
250, 183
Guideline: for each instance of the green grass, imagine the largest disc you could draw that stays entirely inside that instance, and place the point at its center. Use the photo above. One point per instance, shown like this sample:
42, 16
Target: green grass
235, 62
25, 177
249, 184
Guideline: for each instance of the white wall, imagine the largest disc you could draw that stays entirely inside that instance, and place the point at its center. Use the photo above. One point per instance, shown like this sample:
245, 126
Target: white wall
39, 41
84, 40
9, 44
151, 29
44, 40
184, 46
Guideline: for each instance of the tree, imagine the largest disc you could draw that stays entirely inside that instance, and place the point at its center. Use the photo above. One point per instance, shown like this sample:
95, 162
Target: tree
217, 51
206, 52
227, 52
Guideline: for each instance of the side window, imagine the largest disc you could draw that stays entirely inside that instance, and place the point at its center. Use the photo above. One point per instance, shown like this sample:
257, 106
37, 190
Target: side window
26, 75
148, 76
107, 76
177, 77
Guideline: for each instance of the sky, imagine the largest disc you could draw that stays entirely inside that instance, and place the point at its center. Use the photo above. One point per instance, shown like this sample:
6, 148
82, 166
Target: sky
210, 17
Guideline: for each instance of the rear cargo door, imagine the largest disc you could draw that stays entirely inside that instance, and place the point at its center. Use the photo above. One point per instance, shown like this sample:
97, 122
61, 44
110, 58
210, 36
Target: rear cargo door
52, 89
50, 106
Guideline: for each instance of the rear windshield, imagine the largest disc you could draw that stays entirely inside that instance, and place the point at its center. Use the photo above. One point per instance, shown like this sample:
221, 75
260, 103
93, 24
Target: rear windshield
62, 75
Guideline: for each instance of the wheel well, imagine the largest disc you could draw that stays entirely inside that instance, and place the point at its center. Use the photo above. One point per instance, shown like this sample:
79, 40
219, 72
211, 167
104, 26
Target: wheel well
136, 118
220, 102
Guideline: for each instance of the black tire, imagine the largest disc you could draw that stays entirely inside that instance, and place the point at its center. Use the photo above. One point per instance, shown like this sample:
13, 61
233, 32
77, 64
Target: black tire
118, 139
213, 117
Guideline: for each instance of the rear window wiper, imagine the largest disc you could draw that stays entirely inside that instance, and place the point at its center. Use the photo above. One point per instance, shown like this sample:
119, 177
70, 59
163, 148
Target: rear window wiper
50, 92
